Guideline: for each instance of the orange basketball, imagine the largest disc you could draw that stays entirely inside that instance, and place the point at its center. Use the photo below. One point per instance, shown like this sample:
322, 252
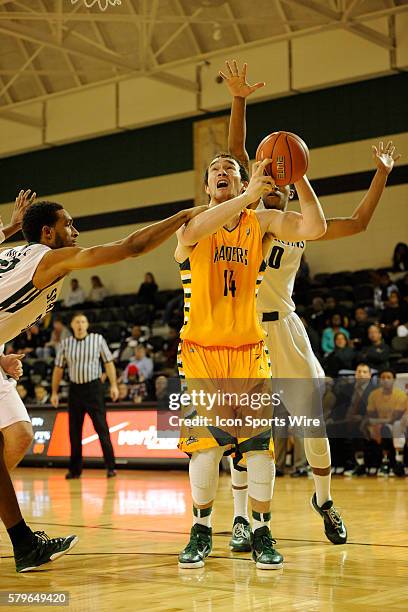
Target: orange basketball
289, 155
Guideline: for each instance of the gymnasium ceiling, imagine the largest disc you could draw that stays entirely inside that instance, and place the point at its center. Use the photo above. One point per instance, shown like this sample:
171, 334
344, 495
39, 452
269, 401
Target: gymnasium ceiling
52, 46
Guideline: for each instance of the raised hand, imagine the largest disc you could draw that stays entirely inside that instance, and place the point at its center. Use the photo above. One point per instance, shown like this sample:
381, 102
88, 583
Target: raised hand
236, 81
385, 158
23, 201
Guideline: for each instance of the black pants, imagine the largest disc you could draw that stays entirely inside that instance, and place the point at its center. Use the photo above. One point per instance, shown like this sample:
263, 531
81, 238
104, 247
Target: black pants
82, 399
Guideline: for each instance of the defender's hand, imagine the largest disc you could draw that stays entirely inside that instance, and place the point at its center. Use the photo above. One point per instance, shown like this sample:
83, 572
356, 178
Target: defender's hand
236, 81
193, 212
385, 158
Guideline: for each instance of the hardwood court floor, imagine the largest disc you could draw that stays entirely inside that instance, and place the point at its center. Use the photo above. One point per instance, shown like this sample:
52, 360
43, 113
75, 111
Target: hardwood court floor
131, 529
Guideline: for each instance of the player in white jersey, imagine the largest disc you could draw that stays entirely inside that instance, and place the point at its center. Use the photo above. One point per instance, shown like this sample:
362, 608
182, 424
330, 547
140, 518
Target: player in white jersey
289, 346
31, 278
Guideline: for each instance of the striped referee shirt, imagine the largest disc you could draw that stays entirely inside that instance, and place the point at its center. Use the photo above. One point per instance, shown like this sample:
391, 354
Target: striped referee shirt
83, 357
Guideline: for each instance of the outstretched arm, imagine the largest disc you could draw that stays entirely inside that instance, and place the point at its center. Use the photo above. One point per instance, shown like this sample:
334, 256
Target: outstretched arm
292, 226
361, 217
239, 89
59, 262
23, 201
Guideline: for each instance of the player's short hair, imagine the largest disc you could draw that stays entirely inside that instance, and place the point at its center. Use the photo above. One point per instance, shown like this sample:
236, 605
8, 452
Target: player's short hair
37, 216
78, 314
242, 170
388, 370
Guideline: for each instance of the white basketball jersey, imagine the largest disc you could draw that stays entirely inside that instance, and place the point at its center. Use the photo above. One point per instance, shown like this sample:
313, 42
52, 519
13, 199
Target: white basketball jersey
21, 304
283, 261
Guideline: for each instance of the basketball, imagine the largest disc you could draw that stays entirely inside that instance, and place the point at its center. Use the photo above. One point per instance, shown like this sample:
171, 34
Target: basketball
289, 154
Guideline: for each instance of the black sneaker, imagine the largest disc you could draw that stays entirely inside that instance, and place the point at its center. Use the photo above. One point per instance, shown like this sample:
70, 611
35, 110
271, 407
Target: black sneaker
241, 535
44, 549
385, 469
197, 549
111, 474
334, 528
71, 476
263, 552
398, 469
359, 470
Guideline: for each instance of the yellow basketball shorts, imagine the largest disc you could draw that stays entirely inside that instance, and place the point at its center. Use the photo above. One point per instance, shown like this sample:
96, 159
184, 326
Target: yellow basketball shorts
228, 410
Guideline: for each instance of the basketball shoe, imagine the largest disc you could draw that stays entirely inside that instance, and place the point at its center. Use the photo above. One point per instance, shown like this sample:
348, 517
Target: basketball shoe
334, 528
241, 535
43, 550
198, 548
263, 551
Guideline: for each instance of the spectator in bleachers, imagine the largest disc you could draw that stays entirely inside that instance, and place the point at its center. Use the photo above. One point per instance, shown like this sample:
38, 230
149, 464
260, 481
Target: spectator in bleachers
377, 353
29, 341
394, 314
400, 257
143, 363
332, 307
147, 290
75, 296
336, 325
383, 289
123, 392
59, 332
403, 287
41, 395
127, 348
316, 314
160, 388
174, 310
312, 335
98, 290
170, 348
22, 391
387, 405
359, 328
341, 358
400, 342
135, 383
344, 425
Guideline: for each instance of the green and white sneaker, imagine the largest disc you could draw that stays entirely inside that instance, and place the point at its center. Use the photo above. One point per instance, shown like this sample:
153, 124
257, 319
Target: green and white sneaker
197, 549
334, 528
263, 551
241, 535
44, 550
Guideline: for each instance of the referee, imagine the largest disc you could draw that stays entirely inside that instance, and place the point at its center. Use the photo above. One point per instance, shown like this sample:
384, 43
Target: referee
83, 353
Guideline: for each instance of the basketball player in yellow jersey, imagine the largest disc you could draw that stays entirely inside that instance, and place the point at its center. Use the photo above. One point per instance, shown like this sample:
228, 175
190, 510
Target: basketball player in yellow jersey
221, 263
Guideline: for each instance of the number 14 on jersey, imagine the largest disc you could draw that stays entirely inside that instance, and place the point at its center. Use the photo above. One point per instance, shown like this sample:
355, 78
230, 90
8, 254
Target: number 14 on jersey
229, 283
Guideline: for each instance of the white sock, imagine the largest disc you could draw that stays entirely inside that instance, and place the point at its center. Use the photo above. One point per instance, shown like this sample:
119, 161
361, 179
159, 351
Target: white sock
202, 516
260, 519
239, 479
322, 486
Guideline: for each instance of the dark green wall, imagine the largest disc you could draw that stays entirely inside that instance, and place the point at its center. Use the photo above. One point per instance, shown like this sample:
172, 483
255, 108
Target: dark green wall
326, 117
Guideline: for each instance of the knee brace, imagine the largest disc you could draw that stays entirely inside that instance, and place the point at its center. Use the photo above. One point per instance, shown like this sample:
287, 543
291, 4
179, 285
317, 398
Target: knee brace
261, 475
204, 471
317, 451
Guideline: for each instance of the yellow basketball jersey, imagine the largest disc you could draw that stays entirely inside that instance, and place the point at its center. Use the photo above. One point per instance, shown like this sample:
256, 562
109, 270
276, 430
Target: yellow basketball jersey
221, 279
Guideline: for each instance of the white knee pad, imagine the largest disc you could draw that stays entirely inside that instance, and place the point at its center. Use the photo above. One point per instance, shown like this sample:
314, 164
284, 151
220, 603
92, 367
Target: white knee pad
239, 478
204, 471
317, 451
261, 475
